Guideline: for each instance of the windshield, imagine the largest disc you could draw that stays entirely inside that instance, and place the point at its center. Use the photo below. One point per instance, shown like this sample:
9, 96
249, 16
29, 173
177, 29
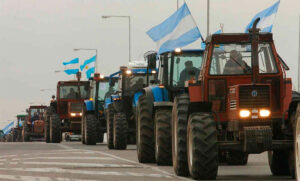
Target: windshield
235, 59
185, 66
71, 91
39, 111
137, 81
105, 90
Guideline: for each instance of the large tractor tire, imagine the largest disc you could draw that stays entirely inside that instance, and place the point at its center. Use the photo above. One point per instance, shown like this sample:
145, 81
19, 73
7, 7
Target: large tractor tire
90, 129
145, 131
110, 126
55, 129
120, 131
47, 125
202, 146
297, 145
278, 162
163, 137
237, 158
82, 130
26, 132
179, 132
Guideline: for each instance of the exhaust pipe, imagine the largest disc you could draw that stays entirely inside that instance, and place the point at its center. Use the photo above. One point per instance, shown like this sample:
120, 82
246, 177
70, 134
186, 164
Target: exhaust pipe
254, 38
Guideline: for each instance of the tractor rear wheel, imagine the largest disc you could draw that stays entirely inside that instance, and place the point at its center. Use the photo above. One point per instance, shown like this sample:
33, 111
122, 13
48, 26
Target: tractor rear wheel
55, 129
120, 131
90, 129
179, 131
82, 129
145, 131
237, 158
163, 145
110, 126
202, 146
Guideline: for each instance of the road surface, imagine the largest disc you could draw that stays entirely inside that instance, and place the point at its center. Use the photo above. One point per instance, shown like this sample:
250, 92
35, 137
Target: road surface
73, 161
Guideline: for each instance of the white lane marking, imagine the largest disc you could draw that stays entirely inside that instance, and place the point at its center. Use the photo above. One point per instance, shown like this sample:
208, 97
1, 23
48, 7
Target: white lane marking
85, 172
31, 178
98, 165
133, 162
64, 146
67, 158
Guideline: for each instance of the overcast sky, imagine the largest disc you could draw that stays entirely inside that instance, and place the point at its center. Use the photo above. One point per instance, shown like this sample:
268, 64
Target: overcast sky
37, 35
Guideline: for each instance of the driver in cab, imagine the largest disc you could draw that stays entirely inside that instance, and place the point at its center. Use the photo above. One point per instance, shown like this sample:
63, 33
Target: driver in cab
236, 65
187, 73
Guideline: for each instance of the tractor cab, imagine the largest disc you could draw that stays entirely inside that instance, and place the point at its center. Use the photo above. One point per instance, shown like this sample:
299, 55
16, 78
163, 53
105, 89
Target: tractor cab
70, 97
177, 67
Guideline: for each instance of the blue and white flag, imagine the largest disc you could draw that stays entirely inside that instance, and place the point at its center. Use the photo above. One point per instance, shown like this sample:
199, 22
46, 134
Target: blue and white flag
71, 67
7, 128
88, 67
267, 18
177, 31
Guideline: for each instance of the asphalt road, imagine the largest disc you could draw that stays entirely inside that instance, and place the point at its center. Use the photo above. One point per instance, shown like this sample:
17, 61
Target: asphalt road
73, 161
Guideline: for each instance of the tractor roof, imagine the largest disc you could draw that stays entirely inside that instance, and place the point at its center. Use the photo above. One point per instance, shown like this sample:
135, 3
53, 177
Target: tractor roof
186, 50
71, 82
37, 106
21, 115
237, 38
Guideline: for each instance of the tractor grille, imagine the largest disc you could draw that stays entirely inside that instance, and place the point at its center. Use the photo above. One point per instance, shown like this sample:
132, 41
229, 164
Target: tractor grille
76, 107
254, 96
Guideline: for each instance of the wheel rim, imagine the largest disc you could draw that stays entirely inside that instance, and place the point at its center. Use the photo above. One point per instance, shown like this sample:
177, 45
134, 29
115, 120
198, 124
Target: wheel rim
297, 149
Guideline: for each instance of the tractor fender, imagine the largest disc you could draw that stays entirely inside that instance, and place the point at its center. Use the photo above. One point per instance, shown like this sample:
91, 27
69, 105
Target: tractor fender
294, 102
89, 105
158, 96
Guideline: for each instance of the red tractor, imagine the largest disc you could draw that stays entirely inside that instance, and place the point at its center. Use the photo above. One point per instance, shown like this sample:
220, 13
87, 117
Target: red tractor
241, 103
65, 113
33, 127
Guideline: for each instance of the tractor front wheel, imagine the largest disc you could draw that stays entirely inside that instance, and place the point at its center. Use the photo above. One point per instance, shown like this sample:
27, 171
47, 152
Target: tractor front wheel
163, 145
120, 131
90, 129
179, 132
202, 147
110, 126
55, 129
26, 130
145, 132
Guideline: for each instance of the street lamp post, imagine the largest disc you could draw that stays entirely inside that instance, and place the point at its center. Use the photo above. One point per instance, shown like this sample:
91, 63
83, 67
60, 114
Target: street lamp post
129, 32
90, 49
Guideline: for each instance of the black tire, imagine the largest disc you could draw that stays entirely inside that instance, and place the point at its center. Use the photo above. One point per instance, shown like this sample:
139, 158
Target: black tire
83, 118
47, 125
179, 132
14, 135
120, 131
291, 153
55, 128
237, 158
163, 140
90, 129
100, 137
110, 126
145, 131
26, 132
278, 162
202, 147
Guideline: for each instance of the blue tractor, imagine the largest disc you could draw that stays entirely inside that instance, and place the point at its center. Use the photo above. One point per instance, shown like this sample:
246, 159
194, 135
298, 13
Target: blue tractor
154, 111
93, 117
121, 124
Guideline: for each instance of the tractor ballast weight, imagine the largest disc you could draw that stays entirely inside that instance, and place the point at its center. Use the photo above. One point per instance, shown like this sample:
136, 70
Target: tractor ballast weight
236, 106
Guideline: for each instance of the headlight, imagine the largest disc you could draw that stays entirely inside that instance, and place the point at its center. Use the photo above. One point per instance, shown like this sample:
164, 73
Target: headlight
80, 114
244, 113
177, 50
128, 72
153, 71
73, 114
264, 113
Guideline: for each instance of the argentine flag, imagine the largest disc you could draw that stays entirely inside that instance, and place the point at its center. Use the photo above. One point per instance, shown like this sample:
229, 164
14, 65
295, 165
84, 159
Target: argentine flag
70, 66
176, 31
7, 128
88, 67
267, 18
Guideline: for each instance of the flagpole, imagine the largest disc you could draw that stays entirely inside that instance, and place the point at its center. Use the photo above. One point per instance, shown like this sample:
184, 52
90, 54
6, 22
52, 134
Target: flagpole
299, 58
208, 17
